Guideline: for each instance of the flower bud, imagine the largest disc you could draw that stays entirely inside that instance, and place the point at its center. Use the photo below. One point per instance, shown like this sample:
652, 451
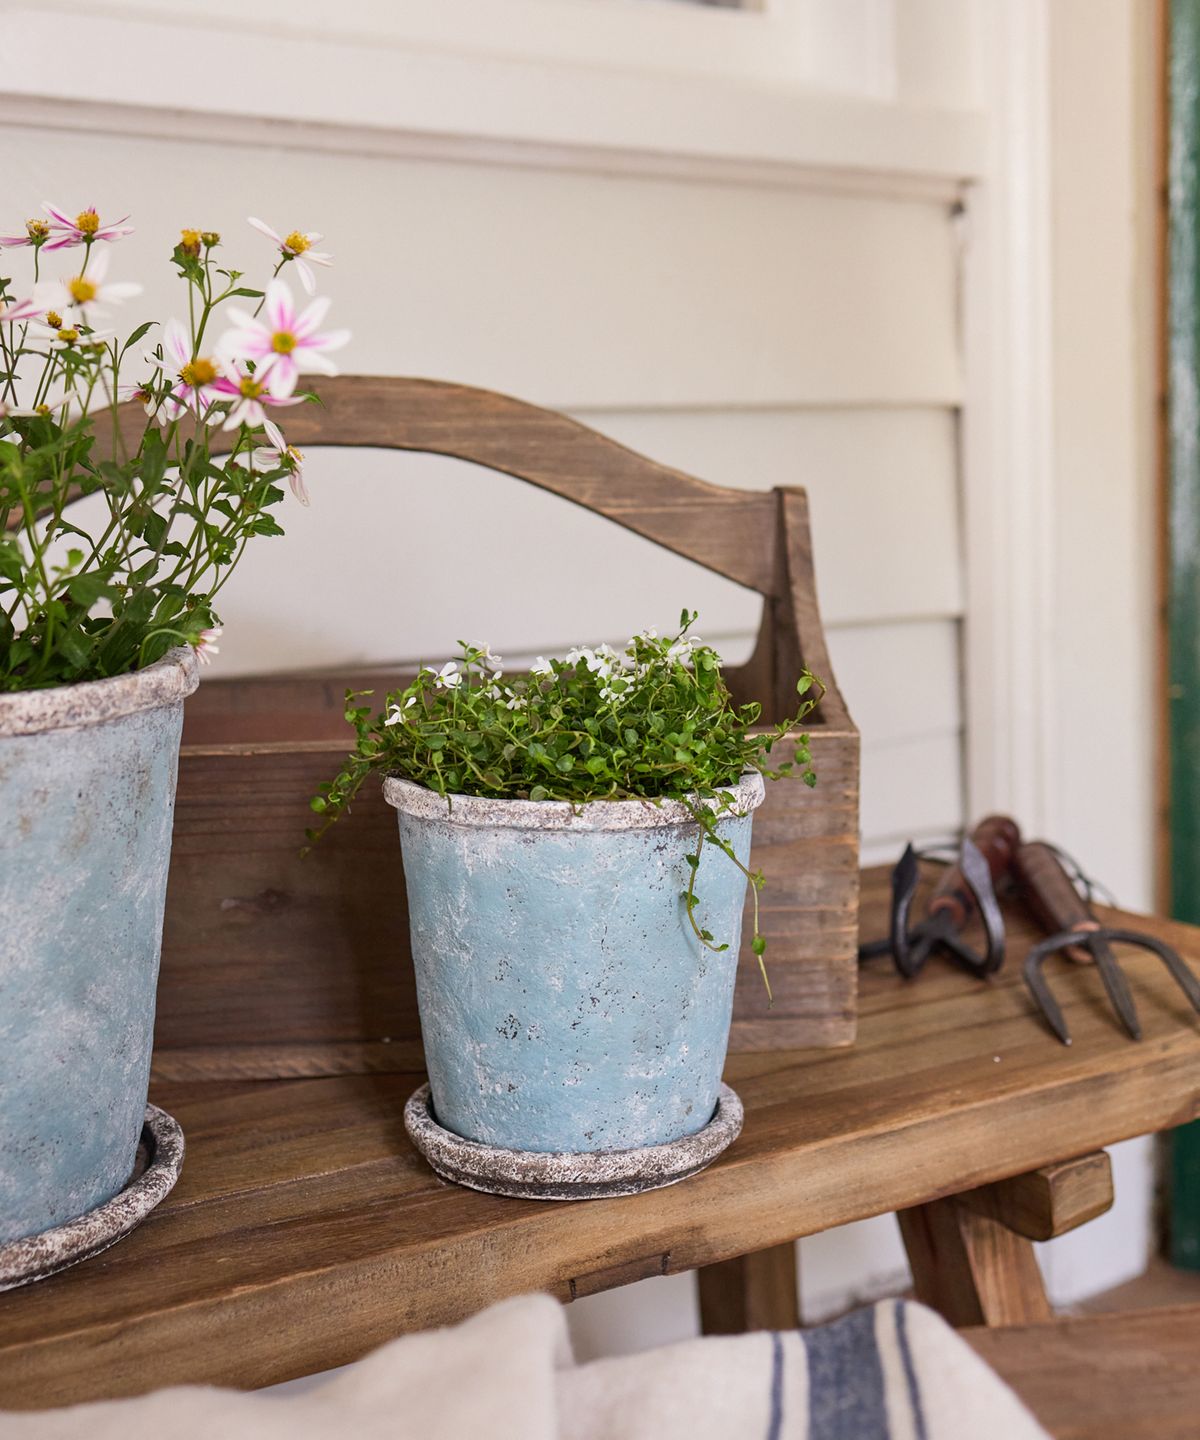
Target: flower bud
210, 238
189, 241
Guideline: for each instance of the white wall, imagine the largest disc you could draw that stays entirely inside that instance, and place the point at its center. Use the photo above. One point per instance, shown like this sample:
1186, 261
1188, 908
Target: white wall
755, 276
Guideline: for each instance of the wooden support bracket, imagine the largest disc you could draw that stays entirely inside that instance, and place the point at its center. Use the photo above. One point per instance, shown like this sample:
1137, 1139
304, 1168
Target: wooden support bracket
972, 1255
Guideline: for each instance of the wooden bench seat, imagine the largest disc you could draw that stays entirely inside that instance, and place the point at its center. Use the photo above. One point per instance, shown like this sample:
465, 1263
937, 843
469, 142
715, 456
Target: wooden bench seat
1127, 1376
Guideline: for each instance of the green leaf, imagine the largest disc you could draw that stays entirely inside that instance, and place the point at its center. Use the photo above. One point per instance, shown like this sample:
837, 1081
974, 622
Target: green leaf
86, 589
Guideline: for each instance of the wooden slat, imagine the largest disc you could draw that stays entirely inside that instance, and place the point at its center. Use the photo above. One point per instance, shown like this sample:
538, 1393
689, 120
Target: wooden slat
305, 1230
1104, 1377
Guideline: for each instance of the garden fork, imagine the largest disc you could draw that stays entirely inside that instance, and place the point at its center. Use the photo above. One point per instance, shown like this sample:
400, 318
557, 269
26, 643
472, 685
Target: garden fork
1052, 897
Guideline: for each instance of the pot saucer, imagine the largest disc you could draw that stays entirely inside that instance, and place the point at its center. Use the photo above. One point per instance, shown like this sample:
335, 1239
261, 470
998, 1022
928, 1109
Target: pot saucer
534, 1175
156, 1169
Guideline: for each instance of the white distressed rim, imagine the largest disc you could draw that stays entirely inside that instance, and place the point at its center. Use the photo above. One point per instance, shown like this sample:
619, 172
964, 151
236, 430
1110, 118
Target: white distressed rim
565, 1175
74, 707
37, 1257
425, 804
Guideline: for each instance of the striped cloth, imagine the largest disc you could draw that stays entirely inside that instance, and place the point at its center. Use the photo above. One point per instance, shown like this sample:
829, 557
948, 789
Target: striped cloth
894, 1372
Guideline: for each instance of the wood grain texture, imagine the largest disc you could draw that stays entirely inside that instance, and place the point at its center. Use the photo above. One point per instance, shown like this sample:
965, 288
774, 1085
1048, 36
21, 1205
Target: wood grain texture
970, 1268
305, 1230
730, 531
1130, 1376
1048, 1201
751, 1292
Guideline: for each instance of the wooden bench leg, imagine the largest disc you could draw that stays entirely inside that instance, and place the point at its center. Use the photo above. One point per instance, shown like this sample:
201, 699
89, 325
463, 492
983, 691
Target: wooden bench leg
972, 1255
753, 1292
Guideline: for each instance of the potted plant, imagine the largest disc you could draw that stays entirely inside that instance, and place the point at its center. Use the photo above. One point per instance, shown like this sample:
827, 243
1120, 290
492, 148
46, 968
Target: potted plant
576, 844
101, 628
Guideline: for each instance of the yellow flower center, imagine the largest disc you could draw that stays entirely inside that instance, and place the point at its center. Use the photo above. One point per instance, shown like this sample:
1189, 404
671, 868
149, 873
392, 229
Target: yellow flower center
297, 243
190, 240
283, 342
198, 372
37, 229
54, 319
87, 221
250, 387
68, 336
81, 289
295, 456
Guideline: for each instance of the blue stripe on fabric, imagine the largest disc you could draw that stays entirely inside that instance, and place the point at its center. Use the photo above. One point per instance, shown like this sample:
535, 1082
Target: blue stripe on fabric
775, 1422
910, 1371
845, 1381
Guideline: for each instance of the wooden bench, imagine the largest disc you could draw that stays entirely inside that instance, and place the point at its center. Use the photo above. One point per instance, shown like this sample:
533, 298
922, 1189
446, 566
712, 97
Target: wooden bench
305, 1230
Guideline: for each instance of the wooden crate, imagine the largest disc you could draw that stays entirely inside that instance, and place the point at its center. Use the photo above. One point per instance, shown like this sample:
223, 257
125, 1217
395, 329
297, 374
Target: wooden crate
278, 965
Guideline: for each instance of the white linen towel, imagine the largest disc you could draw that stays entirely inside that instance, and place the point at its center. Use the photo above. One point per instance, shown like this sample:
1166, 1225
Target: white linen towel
893, 1372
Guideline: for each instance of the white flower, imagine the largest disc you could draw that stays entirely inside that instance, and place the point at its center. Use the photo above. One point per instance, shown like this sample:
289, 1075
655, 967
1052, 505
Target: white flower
193, 377
681, 652
395, 714
541, 666
297, 247
88, 291
13, 312
518, 702
280, 453
285, 341
205, 644
448, 678
493, 662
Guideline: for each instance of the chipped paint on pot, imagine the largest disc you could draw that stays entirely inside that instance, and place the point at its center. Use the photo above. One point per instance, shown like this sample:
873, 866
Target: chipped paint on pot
566, 1004
87, 795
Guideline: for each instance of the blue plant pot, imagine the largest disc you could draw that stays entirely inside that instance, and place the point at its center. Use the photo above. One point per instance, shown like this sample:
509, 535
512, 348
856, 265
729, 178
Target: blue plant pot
87, 792
566, 1004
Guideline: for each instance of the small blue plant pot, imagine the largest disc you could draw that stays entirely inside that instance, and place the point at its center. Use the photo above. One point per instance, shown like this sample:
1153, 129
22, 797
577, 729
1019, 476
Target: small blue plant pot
87, 795
566, 1003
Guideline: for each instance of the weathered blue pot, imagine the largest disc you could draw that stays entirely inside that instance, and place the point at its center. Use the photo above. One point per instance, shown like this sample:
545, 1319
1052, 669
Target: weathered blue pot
566, 1004
87, 795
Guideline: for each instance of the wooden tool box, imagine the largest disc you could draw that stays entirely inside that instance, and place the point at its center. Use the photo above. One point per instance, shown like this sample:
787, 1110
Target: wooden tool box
276, 965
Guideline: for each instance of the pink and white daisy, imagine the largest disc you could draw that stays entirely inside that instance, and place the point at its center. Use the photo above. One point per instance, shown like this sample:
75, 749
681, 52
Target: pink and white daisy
194, 376
83, 229
205, 644
88, 291
279, 453
283, 343
16, 312
296, 246
36, 232
143, 395
251, 394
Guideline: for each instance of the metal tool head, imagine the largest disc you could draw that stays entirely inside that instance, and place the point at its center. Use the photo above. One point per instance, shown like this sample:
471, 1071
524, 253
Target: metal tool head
1099, 942
911, 945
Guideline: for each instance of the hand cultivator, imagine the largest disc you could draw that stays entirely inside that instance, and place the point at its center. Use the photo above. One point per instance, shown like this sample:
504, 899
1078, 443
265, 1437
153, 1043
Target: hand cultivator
991, 857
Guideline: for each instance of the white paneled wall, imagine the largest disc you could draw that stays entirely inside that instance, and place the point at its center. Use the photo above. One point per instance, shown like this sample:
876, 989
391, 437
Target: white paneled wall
753, 335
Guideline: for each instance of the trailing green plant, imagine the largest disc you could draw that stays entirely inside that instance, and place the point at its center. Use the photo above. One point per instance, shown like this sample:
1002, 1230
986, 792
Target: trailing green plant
652, 722
79, 604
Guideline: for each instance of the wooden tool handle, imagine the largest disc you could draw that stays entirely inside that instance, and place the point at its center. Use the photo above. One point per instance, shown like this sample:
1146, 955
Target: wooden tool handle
1048, 890
997, 838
